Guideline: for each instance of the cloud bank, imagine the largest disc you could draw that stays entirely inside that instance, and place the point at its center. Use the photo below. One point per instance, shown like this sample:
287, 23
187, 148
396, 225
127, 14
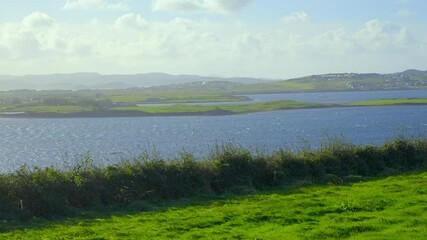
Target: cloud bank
186, 6
40, 43
94, 4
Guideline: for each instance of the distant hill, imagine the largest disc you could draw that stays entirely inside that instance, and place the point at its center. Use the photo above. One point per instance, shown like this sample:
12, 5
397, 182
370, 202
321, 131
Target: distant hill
408, 79
366, 81
79, 81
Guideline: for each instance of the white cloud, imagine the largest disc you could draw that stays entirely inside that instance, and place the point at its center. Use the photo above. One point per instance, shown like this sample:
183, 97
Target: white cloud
131, 21
215, 6
4, 52
38, 20
297, 17
22, 44
177, 5
378, 35
226, 6
337, 42
94, 4
36, 36
248, 44
40, 44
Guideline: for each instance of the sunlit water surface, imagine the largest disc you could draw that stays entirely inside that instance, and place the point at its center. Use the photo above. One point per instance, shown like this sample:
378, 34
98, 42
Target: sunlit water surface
45, 142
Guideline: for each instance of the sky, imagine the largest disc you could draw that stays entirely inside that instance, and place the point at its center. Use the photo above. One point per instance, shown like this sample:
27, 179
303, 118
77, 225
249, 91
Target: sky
276, 39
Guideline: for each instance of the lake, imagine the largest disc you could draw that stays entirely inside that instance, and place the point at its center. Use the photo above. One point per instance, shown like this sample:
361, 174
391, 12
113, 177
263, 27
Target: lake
45, 142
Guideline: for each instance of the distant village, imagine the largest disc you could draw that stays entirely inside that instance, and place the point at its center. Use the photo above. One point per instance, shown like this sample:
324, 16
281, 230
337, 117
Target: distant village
406, 79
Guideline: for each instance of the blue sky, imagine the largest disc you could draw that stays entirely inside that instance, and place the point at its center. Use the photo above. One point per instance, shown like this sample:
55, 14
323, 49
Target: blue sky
256, 38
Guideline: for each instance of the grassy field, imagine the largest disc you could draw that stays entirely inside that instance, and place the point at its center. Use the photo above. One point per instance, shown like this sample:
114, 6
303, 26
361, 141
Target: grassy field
67, 106
384, 102
390, 208
54, 109
232, 108
176, 98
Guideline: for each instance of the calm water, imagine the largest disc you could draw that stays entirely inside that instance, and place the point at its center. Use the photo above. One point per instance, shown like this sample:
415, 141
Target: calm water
45, 142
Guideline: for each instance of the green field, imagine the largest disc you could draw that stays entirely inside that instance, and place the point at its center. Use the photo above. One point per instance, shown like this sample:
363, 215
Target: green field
110, 103
231, 108
384, 102
219, 109
175, 97
390, 208
54, 109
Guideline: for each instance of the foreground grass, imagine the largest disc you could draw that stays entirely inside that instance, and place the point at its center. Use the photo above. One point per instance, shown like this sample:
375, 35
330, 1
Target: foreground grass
391, 208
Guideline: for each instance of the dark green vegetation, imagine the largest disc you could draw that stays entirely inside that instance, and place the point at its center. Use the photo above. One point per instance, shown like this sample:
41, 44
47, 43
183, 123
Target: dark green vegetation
391, 208
51, 192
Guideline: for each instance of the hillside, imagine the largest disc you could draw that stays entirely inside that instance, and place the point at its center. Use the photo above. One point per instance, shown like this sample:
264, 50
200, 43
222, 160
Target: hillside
78, 81
408, 79
369, 81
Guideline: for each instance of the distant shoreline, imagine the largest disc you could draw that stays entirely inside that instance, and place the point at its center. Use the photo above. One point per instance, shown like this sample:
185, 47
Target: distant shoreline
112, 113
136, 113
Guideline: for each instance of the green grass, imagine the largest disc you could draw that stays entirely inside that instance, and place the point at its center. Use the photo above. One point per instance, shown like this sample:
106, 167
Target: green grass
390, 208
294, 86
384, 102
232, 108
53, 109
275, 87
178, 108
176, 97
220, 108
270, 106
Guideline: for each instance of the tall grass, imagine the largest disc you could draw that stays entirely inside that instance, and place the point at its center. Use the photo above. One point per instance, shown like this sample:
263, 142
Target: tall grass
51, 192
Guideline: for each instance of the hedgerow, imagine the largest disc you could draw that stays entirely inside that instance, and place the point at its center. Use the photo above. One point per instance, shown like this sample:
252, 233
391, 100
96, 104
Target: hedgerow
53, 192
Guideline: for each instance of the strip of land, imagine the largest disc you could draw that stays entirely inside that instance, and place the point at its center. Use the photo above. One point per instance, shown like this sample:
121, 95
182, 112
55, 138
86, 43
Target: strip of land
388, 102
76, 111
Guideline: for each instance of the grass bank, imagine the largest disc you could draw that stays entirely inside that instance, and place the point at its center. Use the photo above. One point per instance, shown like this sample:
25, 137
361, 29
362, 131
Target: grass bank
390, 208
177, 97
225, 108
389, 102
